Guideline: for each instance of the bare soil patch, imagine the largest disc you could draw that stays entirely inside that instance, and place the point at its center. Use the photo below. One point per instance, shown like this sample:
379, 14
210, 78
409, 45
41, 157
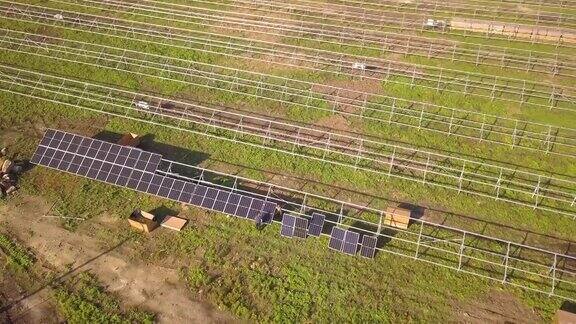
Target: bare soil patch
345, 95
497, 307
514, 30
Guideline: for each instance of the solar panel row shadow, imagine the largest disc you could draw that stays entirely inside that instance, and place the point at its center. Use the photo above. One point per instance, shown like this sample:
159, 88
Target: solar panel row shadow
135, 169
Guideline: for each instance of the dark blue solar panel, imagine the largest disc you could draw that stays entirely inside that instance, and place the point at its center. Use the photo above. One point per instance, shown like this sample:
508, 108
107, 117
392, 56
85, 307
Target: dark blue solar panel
316, 224
288, 223
351, 242
136, 175
244, 206
155, 184
102, 175
136, 169
255, 209
73, 168
92, 173
187, 192
141, 164
368, 248
165, 187
45, 141
124, 151
336, 239
176, 190
232, 204
143, 185
300, 227
268, 212
199, 195
221, 200
209, 198
122, 181
153, 163
112, 178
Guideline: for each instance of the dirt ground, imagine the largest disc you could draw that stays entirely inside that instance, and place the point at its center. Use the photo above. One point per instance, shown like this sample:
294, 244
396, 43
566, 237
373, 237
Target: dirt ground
498, 307
150, 287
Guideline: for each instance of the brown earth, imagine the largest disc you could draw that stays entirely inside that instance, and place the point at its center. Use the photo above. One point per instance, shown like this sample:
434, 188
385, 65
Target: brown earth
345, 94
496, 307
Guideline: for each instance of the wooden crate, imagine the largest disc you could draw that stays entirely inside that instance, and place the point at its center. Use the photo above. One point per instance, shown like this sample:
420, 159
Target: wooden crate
397, 217
564, 317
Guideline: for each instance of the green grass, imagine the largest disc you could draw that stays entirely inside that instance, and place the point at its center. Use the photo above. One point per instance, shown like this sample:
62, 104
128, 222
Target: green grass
17, 257
256, 275
82, 299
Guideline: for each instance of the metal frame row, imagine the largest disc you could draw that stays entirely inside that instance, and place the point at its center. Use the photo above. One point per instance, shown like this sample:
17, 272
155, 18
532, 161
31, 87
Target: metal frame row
441, 9
307, 17
477, 54
518, 91
523, 188
387, 110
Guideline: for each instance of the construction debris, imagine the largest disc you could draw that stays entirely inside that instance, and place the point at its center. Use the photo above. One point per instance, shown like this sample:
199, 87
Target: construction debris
147, 222
130, 139
397, 217
143, 221
9, 171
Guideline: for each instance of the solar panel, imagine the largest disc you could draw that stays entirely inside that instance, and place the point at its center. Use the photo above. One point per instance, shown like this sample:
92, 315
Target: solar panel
243, 206
300, 228
316, 224
136, 169
351, 242
337, 239
268, 212
232, 204
368, 248
288, 224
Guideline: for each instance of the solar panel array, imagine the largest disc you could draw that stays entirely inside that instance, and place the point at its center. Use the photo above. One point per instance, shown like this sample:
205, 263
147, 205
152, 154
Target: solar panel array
136, 169
344, 241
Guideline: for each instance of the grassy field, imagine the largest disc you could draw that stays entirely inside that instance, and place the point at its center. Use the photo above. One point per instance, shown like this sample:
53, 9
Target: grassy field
255, 274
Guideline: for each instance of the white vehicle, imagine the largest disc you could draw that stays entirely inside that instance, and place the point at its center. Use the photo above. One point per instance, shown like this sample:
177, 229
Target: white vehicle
359, 66
433, 23
58, 17
143, 105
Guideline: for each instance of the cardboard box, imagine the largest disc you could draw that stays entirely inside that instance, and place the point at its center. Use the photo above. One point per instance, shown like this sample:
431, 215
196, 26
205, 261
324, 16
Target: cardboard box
146, 224
397, 217
174, 223
130, 139
564, 317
